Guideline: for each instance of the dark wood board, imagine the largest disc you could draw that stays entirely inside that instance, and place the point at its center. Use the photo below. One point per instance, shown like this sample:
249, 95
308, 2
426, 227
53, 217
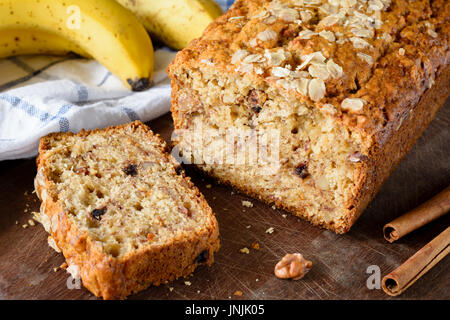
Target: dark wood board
339, 261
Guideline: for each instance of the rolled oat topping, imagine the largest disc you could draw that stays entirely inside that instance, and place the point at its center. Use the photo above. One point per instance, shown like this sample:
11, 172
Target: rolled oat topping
365, 57
267, 35
328, 35
238, 56
316, 89
306, 34
339, 21
329, 108
334, 69
353, 104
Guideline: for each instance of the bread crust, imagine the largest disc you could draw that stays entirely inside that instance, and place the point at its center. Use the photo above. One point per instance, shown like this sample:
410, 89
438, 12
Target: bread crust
117, 277
403, 89
387, 157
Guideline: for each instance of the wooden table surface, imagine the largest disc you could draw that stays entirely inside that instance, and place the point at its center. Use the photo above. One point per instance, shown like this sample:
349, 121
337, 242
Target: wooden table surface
340, 262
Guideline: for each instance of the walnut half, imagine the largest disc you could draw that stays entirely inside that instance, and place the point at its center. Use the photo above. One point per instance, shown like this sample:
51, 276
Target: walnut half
292, 266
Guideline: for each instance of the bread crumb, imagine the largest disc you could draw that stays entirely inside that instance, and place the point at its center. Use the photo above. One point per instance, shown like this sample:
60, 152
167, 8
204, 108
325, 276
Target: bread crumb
24, 226
17, 222
170, 289
208, 186
274, 208
255, 245
248, 227
284, 215
31, 223
188, 283
247, 204
244, 250
256, 279
238, 293
55, 269
270, 230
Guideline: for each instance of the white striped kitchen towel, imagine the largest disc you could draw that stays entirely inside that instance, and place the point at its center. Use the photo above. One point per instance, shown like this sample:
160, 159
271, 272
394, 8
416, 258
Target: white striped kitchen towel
43, 94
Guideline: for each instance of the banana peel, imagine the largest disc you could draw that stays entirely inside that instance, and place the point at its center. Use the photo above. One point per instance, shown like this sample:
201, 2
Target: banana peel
101, 29
174, 22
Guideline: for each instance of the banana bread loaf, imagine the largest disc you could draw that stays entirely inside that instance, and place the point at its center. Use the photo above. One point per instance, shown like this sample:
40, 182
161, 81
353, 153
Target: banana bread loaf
343, 88
120, 209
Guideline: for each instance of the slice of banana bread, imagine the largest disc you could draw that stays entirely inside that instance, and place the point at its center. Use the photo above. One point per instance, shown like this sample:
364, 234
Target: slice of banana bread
344, 88
120, 209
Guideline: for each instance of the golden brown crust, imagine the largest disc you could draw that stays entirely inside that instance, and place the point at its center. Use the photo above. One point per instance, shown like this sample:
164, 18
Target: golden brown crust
391, 86
386, 159
116, 278
402, 88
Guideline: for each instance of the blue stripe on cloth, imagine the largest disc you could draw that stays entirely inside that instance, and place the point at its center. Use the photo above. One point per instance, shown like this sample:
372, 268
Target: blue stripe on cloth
82, 91
130, 113
30, 76
107, 75
63, 122
34, 112
63, 125
25, 67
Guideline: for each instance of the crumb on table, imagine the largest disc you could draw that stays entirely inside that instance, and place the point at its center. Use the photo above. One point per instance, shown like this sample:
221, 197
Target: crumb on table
270, 230
247, 204
244, 250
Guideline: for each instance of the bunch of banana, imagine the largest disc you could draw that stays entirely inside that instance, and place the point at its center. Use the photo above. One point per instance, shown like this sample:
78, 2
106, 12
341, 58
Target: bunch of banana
101, 29
174, 22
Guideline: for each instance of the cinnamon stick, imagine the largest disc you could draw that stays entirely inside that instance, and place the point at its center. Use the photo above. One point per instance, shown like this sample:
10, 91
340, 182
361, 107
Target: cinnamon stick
417, 265
418, 217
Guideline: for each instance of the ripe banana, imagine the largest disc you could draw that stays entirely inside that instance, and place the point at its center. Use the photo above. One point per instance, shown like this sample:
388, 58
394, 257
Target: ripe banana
100, 28
174, 22
14, 42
